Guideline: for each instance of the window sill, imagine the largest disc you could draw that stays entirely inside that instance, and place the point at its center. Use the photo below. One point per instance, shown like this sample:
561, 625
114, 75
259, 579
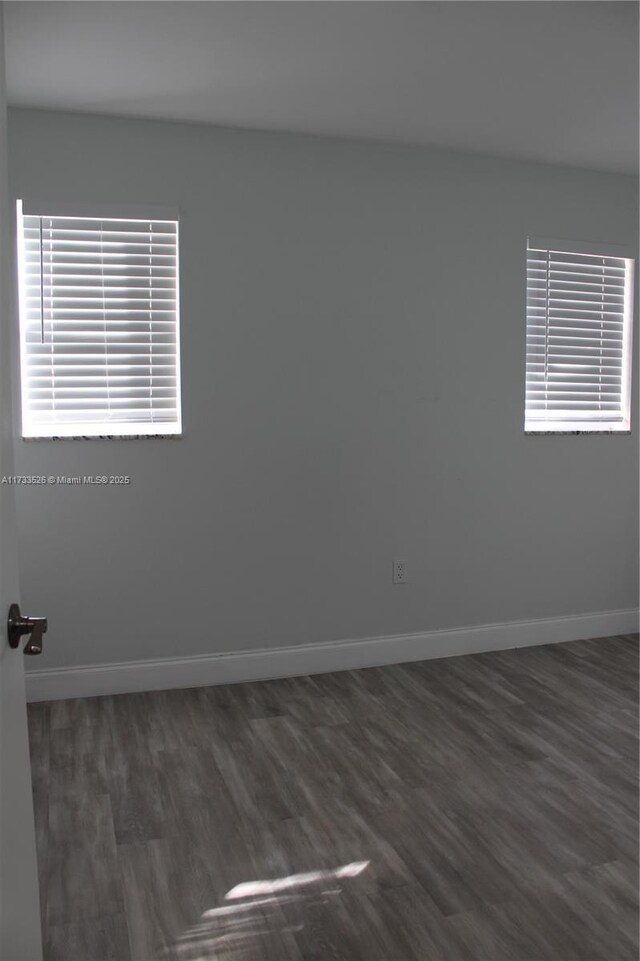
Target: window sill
30, 440
542, 431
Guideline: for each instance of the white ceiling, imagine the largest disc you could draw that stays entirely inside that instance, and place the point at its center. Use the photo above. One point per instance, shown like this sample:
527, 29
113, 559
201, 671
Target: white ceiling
549, 81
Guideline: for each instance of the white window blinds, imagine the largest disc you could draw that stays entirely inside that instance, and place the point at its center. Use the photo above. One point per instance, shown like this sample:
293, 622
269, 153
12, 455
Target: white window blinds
99, 323
579, 315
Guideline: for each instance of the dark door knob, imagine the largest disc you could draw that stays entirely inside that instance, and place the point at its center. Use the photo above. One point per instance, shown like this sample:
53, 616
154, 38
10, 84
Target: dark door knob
18, 624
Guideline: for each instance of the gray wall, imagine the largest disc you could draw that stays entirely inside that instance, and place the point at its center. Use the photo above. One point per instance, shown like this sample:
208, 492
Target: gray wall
353, 364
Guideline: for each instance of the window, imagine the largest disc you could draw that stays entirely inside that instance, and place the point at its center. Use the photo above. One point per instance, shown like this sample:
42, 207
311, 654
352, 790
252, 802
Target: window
99, 321
579, 318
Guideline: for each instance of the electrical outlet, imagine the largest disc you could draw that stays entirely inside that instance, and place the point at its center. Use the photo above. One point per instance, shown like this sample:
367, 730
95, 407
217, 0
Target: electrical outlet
400, 572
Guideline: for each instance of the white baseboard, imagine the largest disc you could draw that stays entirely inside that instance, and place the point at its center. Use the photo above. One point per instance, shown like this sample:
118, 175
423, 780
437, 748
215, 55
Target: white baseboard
228, 668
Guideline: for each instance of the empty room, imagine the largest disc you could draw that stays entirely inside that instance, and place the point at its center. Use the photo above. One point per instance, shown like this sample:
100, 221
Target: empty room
319, 480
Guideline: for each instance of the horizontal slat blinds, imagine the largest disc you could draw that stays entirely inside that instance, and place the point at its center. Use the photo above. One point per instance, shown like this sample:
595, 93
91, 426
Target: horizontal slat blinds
578, 340
99, 326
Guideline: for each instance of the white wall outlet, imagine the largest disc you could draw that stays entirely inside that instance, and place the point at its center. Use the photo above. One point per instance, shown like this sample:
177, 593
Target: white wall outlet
400, 572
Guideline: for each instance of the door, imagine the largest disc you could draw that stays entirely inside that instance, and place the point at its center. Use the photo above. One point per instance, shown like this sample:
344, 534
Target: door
20, 938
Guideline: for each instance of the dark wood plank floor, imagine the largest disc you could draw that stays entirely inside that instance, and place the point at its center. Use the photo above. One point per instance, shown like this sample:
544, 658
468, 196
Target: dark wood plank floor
481, 808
